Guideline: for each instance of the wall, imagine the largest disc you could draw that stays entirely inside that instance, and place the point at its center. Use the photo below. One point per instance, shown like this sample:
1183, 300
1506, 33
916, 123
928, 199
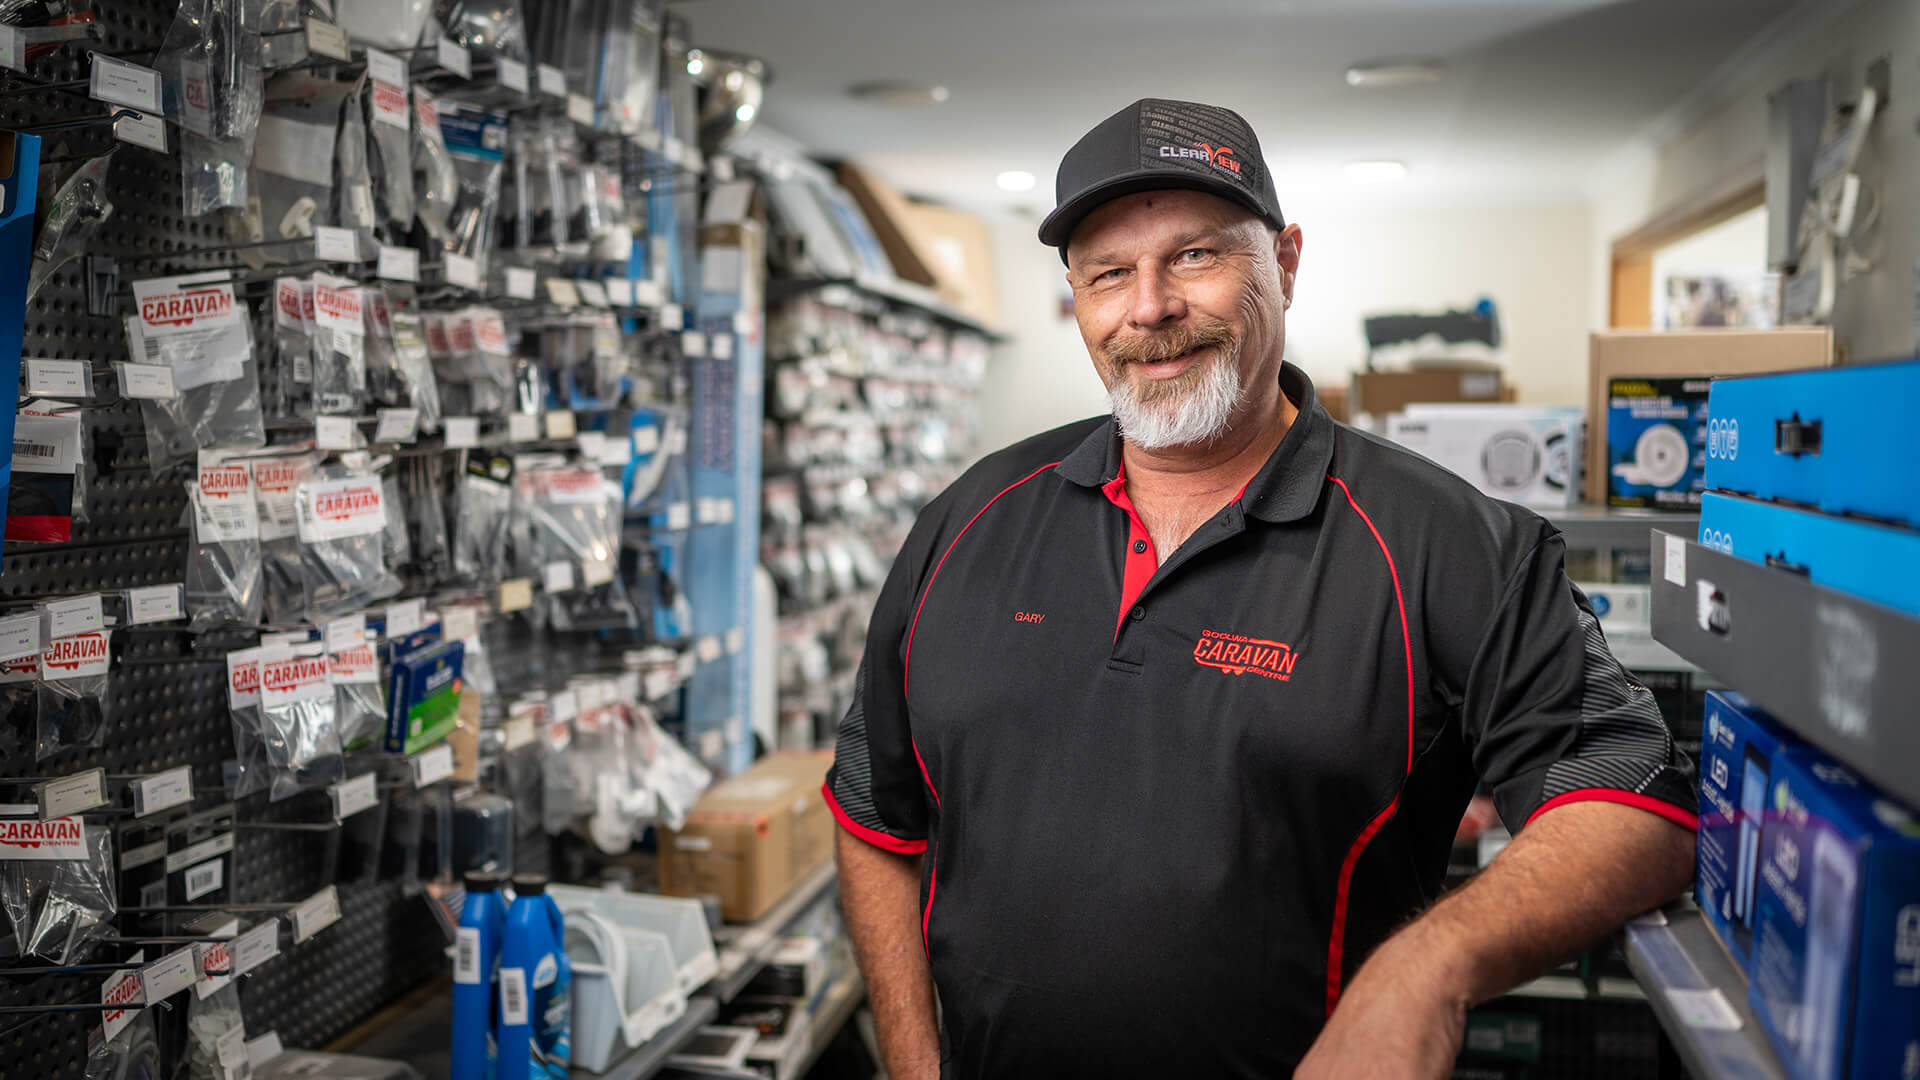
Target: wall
1875, 314
1735, 249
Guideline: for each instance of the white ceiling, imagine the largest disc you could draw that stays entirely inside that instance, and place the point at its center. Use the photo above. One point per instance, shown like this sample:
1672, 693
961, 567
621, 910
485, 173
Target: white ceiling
1538, 93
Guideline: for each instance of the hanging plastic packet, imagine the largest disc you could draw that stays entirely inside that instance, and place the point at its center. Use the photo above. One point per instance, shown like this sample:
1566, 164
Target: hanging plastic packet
352, 182
193, 326
390, 145
285, 388
291, 185
573, 520
651, 432
282, 556
353, 665
522, 752
74, 216
421, 493
131, 1054
281, 25
676, 777
56, 886
249, 771
485, 511
399, 372
297, 716
74, 705
214, 1027
384, 24
494, 27
41, 490
223, 579
398, 542
436, 180
477, 141
490, 363
342, 518
339, 347
213, 88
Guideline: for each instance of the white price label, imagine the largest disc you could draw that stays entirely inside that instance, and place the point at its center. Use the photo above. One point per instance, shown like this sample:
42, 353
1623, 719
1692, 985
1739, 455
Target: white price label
433, 766
1676, 568
462, 432
453, 56
615, 453
256, 946
123, 83
519, 732
561, 425
553, 81
596, 572
646, 293
152, 794
619, 291
463, 270
399, 263
694, 344
316, 913
141, 129
332, 244
514, 1009
564, 705
74, 615
723, 346
523, 427
345, 632
334, 432
326, 39
203, 879
19, 636
154, 603
736, 640
679, 516
58, 378
397, 426
466, 955
387, 68
557, 577
646, 439
709, 649
520, 282
511, 74
744, 323
231, 1049
685, 665
672, 316
516, 594
152, 381
71, 794
405, 617
352, 796
594, 293
650, 139
673, 150
264, 1049
459, 623
168, 976
562, 292
579, 110
13, 49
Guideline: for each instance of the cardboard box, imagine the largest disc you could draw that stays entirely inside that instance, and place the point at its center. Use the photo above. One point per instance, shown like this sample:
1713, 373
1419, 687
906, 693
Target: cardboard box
1738, 743
1656, 443
1615, 354
1836, 939
1381, 393
751, 838
1869, 560
890, 215
962, 257
1528, 454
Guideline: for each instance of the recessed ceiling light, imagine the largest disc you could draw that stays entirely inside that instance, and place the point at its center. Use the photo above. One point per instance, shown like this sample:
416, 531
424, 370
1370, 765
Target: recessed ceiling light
899, 94
1015, 180
1376, 172
1390, 73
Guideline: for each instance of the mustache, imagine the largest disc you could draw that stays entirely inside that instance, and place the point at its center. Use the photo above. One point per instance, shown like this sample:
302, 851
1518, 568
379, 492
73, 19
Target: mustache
1150, 348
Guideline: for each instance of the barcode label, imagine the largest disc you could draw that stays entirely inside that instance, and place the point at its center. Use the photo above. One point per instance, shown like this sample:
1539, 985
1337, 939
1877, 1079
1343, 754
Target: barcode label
204, 879
513, 997
466, 956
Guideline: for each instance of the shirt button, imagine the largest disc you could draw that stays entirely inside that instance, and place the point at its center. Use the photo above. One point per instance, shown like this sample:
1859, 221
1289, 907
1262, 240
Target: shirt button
1139, 547
1137, 614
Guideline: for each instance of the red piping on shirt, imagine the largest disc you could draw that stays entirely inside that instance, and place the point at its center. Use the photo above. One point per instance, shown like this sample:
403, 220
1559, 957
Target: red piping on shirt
1140, 564
1625, 798
872, 836
1336, 941
926, 916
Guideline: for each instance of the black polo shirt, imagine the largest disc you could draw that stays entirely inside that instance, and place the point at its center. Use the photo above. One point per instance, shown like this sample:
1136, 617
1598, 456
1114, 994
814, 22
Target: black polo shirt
1168, 806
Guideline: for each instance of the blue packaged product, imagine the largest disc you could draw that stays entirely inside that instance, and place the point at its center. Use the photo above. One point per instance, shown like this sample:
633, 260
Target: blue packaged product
423, 699
1869, 560
1836, 940
535, 1001
1841, 439
476, 956
1656, 442
1737, 745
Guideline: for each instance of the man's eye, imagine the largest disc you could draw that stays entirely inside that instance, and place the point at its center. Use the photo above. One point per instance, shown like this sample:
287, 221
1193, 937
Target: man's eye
1194, 255
1111, 275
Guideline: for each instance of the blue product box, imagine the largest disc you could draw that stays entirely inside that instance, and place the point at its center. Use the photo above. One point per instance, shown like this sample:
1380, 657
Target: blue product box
1871, 561
1836, 941
1737, 746
1841, 439
1656, 442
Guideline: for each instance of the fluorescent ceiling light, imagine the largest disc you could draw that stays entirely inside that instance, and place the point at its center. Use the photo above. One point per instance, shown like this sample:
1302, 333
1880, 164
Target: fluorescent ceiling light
1015, 180
902, 95
1390, 73
1376, 172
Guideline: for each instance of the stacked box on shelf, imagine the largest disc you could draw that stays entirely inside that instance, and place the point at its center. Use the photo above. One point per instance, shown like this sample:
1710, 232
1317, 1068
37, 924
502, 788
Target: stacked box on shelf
1737, 750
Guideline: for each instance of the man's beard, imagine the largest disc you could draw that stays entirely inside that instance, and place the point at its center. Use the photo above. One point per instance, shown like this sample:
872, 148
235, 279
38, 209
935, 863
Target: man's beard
1194, 408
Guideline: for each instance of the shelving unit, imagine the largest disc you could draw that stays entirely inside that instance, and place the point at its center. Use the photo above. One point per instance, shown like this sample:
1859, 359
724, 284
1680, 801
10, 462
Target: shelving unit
1699, 996
744, 950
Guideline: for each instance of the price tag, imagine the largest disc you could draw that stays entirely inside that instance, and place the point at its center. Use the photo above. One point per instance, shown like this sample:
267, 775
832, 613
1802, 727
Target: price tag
71, 794
511, 74
387, 68
405, 617
709, 649
152, 381
142, 129
723, 169
74, 615
646, 439
679, 516
520, 282
672, 317
562, 292
519, 732
264, 1049
673, 149
123, 83
331, 244
557, 577
433, 766
744, 323
334, 432
316, 913
646, 293
462, 432
256, 946
463, 270
658, 684
154, 603
736, 640
13, 49
168, 976
564, 705
399, 263
397, 426
346, 632
326, 39
596, 572
579, 110
594, 293
1676, 568
560, 425
460, 623
230, 1049
650, 139
516, 594
619, 291
685, 664
58, 378
694, 344
352, 796
615, 453
19, 636
452, 56
723, 346
152, 794
523, 427
553, 81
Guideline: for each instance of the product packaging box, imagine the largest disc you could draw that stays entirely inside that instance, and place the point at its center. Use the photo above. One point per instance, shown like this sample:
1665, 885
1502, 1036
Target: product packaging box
797, 969
1738, 743
1842, 439
1656, 442
1872, 561
1696, 354
1382, 393
1528, 454
750, 839
1622, 609
423, 697
1836, 939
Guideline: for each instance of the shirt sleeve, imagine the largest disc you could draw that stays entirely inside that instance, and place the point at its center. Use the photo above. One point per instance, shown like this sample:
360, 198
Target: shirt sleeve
1553, 718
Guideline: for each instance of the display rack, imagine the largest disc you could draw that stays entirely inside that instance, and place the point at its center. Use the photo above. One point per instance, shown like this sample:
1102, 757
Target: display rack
903, 293
1699, 995
745, 949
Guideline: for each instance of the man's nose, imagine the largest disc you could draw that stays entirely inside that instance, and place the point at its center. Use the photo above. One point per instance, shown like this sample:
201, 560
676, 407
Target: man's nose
1156, 298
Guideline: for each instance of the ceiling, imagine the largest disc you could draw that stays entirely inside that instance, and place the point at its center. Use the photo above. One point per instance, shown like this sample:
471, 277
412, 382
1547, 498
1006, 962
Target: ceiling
1536, 95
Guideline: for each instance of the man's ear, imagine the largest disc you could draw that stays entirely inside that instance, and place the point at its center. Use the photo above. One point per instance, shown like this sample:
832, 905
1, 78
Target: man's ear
1286, 252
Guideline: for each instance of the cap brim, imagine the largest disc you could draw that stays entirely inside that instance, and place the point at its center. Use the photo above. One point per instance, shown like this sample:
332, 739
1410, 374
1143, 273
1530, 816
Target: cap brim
1058, 228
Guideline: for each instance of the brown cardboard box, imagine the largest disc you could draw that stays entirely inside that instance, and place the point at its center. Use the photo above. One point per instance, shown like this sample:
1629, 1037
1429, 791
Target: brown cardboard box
963, 259
1381, 393
751, 838
1669, 353
889, 213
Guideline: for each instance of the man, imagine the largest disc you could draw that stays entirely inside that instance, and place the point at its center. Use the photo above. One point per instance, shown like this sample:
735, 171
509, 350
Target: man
1167, 718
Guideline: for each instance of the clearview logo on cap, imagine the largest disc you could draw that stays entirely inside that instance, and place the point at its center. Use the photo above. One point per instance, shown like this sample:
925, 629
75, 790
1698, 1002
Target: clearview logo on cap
1220, 157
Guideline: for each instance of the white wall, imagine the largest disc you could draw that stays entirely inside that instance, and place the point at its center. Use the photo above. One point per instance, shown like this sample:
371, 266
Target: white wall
1041, 378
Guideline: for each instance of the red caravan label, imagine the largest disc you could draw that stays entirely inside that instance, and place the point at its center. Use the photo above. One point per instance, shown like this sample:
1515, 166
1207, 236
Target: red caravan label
338, 308
490, 332
427, 111
293, 678
225, 481
356, 665
1237, 655
572, 485
436, 329
65, 838
185, 307
275, 476
345, 504
338, 509
460, 333
288, 304
243, 678
74, 657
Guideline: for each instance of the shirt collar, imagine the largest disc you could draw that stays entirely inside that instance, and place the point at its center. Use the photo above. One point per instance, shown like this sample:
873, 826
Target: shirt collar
1286, 488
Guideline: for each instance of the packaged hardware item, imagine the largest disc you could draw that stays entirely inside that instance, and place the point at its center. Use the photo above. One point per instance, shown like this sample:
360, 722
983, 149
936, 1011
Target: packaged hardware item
224, 583
74, 217
44, 495
352, 182
1528, 454
399, 370
133, 1052
74, 704
213, 1024
1848, 554
293, 168
1656, 442
360, 708
298, 719
282, 556
212, 86
436, 181
573, 530
485, 510
423, 699
390, 145
341, 513
56, 886
250, 770
1836, 971
339, 347
287, 390
193, 326
1737, 746
477, 142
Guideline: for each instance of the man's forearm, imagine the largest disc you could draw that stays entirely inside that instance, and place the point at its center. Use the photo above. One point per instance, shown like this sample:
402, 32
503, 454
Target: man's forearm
880, 893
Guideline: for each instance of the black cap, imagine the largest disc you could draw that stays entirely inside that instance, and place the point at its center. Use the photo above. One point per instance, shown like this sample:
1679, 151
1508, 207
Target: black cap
484, 880
1154, 144
529, 884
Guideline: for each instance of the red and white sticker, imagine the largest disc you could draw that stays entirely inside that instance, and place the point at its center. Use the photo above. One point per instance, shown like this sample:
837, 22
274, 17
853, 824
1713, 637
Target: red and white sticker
426, 111
121, 988
571, 485
435, 327
460, 333
28, 839
357, 664
389, 74
224, 506
340, 509
177, 305
243, 678
288, 303
490, 332
273, 483
293, 679
75, 657
337, 306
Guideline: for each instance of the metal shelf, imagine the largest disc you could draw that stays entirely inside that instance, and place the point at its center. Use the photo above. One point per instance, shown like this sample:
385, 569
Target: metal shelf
747, 948
1638, 652
832, 1015
1699, 996
1588, 526
651, 1056
1836, 669
904, 293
